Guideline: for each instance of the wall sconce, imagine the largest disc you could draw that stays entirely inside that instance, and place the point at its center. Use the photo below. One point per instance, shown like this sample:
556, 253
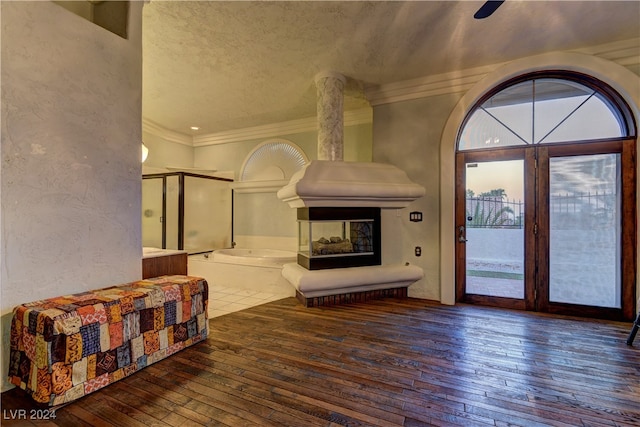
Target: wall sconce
145, 152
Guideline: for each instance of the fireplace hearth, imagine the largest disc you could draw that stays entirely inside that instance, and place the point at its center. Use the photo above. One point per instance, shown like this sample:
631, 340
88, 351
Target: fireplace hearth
338, 237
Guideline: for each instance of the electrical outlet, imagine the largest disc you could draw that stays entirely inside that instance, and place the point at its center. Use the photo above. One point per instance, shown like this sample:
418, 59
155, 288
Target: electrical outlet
418, 251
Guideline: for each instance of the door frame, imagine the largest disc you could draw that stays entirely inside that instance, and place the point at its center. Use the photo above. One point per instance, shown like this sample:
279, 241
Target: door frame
536, 226
615, 75
627, 149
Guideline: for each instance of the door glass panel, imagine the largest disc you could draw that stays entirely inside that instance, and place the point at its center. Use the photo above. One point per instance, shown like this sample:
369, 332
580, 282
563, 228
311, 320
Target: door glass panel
555, 101
495, 228
585, 218
509, 106
484, 131
152, 212
539, 111
592, 120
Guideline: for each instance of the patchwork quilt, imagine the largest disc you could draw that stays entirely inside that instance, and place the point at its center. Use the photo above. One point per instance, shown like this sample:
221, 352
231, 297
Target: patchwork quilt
66, 347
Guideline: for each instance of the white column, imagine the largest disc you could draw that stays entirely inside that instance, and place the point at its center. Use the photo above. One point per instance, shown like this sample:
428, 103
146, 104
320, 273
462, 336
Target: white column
330, 113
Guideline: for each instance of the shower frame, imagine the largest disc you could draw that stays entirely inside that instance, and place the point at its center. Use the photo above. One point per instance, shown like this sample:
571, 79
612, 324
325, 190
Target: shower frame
181, 181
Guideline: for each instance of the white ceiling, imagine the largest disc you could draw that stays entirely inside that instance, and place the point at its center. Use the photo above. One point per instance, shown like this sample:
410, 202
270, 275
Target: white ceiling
224, 65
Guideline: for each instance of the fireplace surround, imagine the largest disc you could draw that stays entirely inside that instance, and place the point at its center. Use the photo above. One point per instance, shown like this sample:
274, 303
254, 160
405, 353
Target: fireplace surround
339, 207
339, 213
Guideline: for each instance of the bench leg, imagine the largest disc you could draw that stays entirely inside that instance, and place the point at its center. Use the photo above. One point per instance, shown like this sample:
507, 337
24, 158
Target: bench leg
634, 330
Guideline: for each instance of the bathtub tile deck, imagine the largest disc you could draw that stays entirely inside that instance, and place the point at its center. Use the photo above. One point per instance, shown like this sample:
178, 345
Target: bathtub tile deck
224, 300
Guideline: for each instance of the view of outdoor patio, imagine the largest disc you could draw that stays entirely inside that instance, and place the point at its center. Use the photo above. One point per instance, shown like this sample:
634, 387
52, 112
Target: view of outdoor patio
584, 243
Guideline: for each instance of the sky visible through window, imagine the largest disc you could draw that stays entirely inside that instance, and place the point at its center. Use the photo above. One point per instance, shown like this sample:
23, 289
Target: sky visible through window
511, 118
487, 176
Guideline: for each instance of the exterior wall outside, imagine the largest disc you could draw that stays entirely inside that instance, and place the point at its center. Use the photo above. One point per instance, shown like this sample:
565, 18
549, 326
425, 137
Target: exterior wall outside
70, 172
501, 244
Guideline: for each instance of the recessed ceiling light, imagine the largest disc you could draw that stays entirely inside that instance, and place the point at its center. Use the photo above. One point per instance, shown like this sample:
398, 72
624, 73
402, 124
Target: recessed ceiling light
194, 128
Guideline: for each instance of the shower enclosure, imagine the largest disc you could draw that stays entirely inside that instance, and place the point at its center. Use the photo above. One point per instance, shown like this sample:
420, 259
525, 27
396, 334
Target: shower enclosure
186, 211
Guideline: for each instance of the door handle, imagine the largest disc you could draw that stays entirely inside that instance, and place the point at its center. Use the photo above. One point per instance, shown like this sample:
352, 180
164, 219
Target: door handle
461, 236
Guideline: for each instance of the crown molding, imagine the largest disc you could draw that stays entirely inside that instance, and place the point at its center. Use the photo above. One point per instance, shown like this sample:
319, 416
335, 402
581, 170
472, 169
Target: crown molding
166, 134
613, 50
624, 52
309, 124
255, 132
423, 87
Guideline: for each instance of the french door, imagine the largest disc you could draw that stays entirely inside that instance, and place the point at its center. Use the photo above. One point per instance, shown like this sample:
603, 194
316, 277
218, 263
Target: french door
548, 228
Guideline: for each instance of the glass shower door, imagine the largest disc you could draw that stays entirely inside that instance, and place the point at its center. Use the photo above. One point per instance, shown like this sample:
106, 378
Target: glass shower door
152, 212
207, 214
171, 218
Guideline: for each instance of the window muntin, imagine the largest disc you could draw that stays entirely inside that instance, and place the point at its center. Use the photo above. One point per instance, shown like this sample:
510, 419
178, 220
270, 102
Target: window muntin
540, 111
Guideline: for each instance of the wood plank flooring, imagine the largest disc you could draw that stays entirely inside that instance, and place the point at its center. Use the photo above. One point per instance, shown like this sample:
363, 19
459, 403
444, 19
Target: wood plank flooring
381, 363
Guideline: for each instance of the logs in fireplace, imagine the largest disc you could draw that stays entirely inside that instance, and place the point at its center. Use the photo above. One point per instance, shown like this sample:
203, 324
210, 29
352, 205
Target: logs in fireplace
338, 237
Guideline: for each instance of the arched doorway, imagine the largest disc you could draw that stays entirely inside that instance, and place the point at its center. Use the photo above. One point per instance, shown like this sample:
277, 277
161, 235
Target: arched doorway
545, 198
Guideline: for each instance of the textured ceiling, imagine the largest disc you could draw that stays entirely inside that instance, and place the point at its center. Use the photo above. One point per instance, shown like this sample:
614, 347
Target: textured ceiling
236, 64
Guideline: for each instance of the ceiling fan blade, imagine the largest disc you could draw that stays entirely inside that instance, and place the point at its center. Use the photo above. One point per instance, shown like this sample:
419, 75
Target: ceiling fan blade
487, 9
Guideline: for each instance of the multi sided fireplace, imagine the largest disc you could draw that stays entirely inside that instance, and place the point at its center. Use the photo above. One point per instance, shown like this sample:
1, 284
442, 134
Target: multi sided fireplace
339, 209
338, 237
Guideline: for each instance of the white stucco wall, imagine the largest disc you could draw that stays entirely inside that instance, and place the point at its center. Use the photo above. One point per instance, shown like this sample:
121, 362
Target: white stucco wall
70, 170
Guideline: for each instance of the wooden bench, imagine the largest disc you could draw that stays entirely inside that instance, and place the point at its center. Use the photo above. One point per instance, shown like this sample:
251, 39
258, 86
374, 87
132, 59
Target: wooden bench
66, 347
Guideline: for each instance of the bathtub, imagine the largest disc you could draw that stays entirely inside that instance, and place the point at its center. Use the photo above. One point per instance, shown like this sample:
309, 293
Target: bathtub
255, 257
149, 252
251, 269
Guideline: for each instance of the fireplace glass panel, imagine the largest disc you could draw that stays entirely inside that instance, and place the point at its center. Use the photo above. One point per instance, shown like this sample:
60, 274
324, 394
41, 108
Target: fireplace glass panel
338, 242
336, 238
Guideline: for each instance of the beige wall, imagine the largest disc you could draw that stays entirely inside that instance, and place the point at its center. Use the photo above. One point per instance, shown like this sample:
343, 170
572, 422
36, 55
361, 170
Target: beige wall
164, 152
407, 134
70, 172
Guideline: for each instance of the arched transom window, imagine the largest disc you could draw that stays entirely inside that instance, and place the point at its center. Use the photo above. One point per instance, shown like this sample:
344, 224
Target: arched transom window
542, 110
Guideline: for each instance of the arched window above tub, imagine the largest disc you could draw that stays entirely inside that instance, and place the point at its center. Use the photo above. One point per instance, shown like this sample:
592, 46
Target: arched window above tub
269, 166
546, 108
273, 160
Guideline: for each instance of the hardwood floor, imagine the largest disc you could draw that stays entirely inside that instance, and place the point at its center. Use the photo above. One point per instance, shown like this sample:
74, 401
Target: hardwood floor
384, 363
